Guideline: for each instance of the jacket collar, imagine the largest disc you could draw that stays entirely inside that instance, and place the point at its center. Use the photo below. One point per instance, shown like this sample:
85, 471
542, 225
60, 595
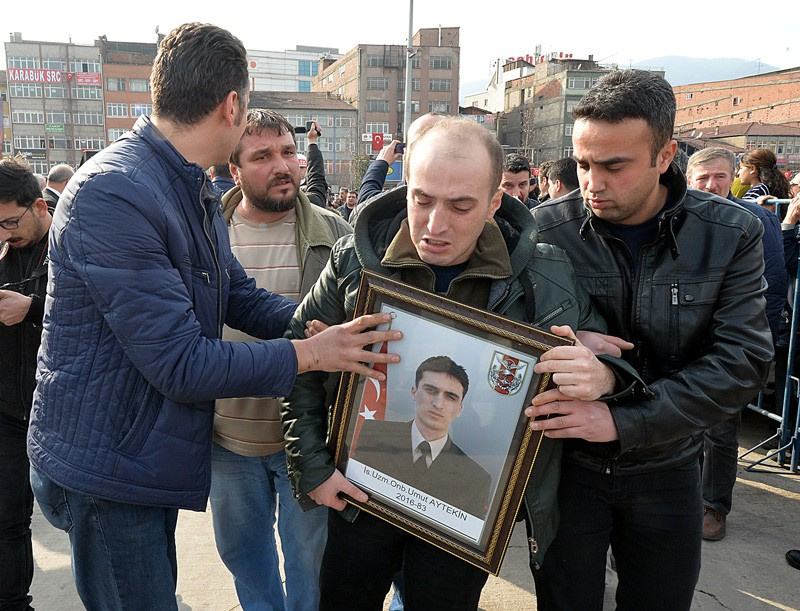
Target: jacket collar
490, 258
669, 219
190, 172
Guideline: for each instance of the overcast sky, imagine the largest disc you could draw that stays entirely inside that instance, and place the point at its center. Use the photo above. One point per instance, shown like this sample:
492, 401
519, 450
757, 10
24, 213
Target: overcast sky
617, 31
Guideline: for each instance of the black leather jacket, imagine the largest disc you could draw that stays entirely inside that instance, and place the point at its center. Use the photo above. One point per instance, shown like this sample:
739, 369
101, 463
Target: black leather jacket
694, 307
24, 270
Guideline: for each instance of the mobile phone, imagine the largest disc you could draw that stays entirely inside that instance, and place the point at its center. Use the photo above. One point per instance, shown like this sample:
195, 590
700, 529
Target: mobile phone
310, 126
400, 148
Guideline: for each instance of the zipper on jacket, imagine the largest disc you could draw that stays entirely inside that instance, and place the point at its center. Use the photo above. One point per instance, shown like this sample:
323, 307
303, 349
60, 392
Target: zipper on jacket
674, 290
549, 316
533, 545
206, 224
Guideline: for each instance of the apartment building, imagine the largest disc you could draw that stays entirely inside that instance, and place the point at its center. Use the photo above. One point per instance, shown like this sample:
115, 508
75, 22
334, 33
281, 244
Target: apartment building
372, 78
290, 70
337, 119
55, 98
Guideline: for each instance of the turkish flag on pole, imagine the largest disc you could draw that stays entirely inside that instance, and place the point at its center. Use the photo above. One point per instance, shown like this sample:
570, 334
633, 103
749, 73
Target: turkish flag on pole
373, 403
377, 142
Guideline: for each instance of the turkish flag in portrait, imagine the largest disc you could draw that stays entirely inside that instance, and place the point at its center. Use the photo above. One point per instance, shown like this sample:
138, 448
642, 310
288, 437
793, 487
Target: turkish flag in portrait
373, 402
377, 142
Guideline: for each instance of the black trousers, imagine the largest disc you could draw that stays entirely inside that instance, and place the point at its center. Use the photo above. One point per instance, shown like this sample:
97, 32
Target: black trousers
362, 557
654, 524
16, 509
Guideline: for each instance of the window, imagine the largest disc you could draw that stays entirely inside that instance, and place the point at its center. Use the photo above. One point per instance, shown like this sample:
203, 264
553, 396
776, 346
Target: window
116, 110
57, 116
342, 69
52, 63
437, 62
414, 106
377, 128
57, 142
377, 83
307, 68
141, 85
115, 133
568, 129
440, 84
737, 101
571, 104
377, 106
84, 65
54, 91
401, 84
27, 116
39, 166
567, 151
580, 82
439, 107
87, 92
29, 142
88, 117
6, 147
115, 84
375, 60
344, 122
689, 96
23, 62
141, 109
304, 86
25, 90
88, 143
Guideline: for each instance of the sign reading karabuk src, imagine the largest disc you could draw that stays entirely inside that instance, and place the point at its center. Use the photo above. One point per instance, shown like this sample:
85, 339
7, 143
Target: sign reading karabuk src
26, 75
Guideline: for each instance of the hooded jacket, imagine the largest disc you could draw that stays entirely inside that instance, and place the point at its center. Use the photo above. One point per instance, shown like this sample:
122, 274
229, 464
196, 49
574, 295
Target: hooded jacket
509, 273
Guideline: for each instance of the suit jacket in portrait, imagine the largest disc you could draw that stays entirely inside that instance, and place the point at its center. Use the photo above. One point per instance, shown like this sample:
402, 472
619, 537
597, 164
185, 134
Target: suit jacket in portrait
453, 477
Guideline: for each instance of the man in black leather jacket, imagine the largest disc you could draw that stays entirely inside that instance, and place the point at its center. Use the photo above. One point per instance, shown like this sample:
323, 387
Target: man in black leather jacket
680, 277
24, 223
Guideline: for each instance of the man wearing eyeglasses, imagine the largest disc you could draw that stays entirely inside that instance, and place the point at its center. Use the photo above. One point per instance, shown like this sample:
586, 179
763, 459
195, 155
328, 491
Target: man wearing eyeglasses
24, 223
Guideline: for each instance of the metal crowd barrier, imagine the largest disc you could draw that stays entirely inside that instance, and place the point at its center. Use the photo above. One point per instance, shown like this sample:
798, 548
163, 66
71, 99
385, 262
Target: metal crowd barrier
786, 433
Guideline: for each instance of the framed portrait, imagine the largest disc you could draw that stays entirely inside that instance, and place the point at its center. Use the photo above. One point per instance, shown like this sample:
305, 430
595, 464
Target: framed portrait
442, 446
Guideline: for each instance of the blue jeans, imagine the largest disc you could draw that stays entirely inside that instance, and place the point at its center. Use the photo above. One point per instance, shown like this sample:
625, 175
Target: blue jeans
362, 557
720, 458
123, 556
16, 508
246, 492
654, 524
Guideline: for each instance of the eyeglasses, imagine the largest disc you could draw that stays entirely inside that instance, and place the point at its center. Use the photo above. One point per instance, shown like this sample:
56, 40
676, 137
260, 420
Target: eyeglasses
15, 223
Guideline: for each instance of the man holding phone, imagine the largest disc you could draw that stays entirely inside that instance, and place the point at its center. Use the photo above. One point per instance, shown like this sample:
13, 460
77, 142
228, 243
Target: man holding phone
313, 184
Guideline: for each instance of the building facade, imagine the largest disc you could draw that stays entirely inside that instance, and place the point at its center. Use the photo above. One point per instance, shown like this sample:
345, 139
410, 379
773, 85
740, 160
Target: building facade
372, 78
5, 116
287, 70
337, 119
55, 97
537, 116
126, 83
503, 71
770, 98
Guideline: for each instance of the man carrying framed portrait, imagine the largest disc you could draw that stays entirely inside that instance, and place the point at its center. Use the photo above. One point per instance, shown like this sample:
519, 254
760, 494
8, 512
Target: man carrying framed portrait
451, 231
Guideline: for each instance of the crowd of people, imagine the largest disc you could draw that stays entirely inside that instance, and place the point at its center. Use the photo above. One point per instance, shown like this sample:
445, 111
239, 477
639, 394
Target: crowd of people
174, 313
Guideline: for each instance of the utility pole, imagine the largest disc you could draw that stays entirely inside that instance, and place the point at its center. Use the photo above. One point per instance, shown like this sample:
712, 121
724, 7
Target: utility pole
409, 56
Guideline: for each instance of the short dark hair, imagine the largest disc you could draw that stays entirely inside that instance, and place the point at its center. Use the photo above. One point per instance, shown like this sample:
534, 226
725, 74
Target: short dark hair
222, 171
443, 364
259, 119
544, 169
632, 94
196, 67
514, 164
565, 170
17, 182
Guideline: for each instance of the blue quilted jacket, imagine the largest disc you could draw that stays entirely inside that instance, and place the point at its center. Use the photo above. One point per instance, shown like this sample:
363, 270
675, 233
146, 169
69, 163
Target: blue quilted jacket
140, 283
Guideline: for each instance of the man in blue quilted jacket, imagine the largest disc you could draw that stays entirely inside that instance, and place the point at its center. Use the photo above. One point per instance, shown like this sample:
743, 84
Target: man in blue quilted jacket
141, 281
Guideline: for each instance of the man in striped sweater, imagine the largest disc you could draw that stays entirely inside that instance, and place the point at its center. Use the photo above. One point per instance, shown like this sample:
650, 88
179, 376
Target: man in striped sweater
283, 242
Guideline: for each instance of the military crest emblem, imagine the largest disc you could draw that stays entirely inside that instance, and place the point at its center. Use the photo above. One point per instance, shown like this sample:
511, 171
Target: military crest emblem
507, 373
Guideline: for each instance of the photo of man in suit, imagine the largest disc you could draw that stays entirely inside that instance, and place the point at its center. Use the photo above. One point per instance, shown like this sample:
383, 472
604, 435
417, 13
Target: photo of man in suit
421, 453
